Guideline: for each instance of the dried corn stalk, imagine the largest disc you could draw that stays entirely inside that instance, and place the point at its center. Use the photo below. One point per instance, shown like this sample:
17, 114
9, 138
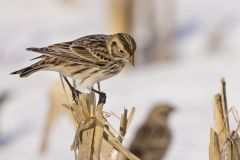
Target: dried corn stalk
93, 128
91, 124
224, 144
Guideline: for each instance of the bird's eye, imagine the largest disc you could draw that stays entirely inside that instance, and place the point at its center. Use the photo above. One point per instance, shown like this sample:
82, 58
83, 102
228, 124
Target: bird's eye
114, 43
121, 51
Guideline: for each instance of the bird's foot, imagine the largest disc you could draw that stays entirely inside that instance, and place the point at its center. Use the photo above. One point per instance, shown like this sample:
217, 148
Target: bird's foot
102, 96
75, 92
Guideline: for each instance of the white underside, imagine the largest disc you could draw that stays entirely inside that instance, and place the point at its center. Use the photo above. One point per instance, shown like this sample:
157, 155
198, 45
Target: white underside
90, 81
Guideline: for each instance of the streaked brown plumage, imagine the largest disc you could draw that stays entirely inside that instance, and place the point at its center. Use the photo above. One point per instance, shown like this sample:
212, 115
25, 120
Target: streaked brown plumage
89, 59
152, 139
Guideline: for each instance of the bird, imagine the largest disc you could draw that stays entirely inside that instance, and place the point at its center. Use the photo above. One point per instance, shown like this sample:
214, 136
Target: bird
89, 59
153, 138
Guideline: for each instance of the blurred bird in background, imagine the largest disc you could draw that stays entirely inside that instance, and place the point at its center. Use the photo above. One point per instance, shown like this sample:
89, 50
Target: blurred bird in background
152, 139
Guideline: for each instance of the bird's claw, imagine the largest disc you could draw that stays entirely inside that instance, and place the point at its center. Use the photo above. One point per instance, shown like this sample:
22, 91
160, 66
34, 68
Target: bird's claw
102, 98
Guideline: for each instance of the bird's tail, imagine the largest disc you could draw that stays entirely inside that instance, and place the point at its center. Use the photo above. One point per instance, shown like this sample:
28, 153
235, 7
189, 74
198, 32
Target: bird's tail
25, 72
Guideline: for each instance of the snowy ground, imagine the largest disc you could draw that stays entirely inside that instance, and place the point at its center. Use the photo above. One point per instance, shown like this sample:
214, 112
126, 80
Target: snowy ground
188, 83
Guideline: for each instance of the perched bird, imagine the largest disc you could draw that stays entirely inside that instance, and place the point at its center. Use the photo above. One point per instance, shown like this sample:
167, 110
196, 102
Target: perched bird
89, 59
152, 139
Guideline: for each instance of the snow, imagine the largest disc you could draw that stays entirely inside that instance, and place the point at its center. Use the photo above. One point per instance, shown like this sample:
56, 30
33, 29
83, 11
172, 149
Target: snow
188, 83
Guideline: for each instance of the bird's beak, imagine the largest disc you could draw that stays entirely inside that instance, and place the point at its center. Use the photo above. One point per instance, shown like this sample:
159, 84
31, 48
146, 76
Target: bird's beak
131, 60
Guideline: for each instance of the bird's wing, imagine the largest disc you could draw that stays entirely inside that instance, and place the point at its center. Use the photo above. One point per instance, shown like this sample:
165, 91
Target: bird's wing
92, 48
89, 50
141, 139
48, 51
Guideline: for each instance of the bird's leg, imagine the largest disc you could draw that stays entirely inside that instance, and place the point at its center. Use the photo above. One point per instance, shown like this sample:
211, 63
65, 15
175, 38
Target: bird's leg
75, 92
102, 96
99, 87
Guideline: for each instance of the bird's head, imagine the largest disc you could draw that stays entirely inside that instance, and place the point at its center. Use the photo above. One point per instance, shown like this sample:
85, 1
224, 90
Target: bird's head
160, 114
122, 47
